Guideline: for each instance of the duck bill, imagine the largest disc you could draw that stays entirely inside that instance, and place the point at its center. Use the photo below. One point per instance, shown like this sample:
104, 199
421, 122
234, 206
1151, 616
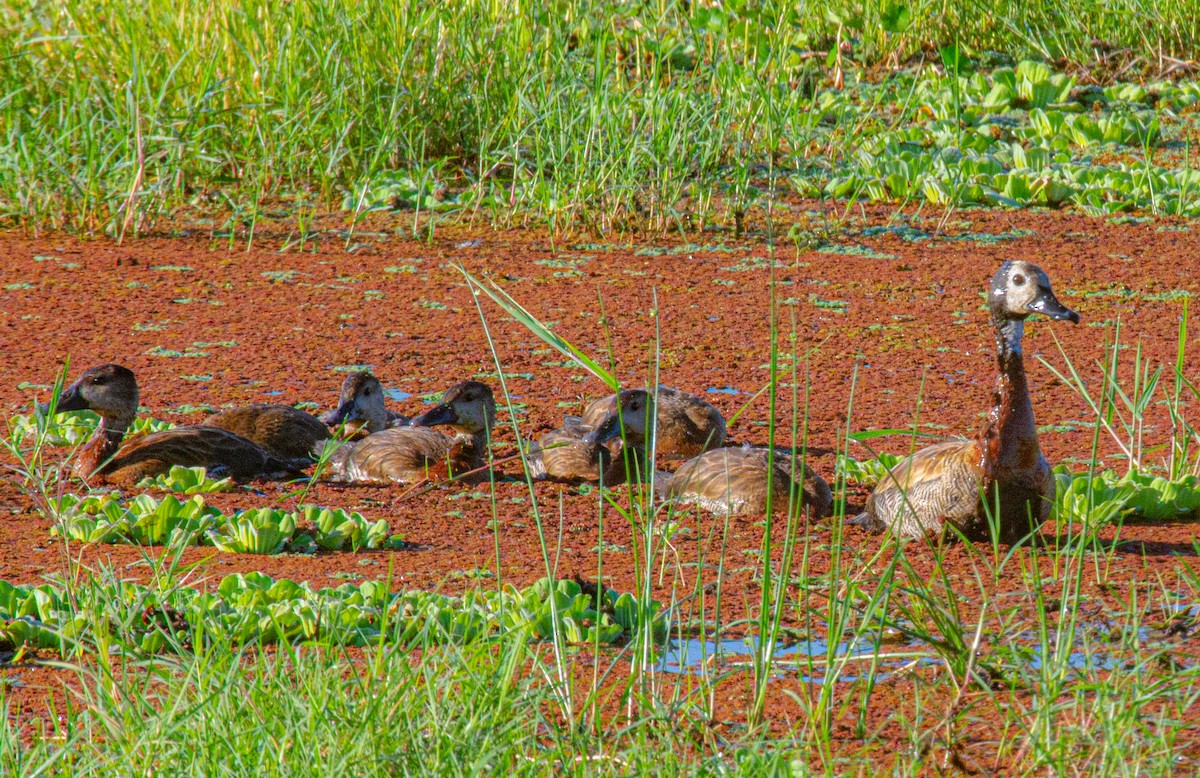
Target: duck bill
1048, 305
442, 414
609, 428
347, 411
70, 400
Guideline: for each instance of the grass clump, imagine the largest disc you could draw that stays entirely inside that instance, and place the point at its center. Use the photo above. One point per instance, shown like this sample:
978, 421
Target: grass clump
117, 115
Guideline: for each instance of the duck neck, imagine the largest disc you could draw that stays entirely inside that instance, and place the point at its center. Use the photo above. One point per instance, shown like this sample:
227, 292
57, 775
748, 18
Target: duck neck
102, 445
1010, 428
474, 443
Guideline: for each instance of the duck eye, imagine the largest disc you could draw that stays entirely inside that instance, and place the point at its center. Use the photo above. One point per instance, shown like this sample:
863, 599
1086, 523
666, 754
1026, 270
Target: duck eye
1019, 279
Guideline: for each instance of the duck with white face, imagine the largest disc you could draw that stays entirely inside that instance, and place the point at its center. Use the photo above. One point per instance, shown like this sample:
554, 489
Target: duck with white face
418, 452
361, 407
111, 391
746, 480
999, 485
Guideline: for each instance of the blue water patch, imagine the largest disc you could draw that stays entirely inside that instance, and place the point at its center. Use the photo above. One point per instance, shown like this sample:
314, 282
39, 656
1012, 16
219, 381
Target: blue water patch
723, 390
399, 395
690, 656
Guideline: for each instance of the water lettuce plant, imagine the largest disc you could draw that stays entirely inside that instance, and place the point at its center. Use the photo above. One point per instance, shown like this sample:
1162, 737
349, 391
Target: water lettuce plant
69, 429
336, 528
142, 521
255, 531
253, 608
187, 480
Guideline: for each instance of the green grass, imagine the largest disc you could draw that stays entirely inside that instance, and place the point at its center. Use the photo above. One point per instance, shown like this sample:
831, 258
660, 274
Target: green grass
610, 117
595, 116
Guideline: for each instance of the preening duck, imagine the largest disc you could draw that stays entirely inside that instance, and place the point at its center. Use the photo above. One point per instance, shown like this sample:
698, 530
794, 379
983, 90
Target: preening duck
112, 392
1004, 472
415, 453
724, 480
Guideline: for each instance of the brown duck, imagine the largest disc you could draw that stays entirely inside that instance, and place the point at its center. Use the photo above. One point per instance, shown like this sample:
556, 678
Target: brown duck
685, 425
285, 431
111, 391
724, 480
960, 482
361, 407
408, 454
563, 455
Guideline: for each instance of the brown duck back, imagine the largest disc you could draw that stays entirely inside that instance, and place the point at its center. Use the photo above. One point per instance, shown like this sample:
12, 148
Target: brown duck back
284, 431
403, 455
735, 480
220, 452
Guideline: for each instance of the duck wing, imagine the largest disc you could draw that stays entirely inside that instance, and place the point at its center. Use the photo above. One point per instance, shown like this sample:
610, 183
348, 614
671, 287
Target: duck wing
734, 480
402, 455
687, 425
218, 451
284, 431
936, 484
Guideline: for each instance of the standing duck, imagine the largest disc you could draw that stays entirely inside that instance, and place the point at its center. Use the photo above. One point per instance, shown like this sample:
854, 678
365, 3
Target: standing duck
960, 482
685, 425
724, 480
111, 391
361, 407
415, 453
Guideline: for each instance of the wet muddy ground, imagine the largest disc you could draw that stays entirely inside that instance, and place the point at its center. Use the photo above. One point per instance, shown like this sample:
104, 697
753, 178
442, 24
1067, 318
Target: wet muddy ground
886, 318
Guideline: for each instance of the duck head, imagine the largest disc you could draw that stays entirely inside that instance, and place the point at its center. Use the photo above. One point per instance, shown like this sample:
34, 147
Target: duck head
468, 406
634, 410
109, 390
362, 400
1019, 289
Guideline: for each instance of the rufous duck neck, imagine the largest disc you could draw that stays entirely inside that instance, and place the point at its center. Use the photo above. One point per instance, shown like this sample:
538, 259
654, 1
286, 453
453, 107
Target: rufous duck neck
102, 445
1010, 437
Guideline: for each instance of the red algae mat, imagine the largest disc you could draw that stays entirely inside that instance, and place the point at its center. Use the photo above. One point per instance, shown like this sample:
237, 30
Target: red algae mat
890, 312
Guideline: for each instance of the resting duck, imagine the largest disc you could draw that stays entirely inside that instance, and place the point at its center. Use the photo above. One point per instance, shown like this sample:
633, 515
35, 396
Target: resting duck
952, 482
112, 392
724, 480
285, 431
361, 407
564, 455
408, 454
685, 427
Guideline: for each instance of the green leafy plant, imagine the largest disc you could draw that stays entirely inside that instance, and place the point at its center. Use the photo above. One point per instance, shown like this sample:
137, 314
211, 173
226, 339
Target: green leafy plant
336, 528
187, 480
256, 531
72, 428
869, 472
142, 521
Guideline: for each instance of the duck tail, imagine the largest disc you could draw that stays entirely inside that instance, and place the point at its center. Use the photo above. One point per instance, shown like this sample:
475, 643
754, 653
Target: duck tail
282, 468
535, 463
662, 484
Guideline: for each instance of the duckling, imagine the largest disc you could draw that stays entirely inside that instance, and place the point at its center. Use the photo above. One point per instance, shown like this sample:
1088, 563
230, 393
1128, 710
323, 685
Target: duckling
563, 455
685, 426
285, 431
407, 454
112, 392
959, 482
361, 407
723, 480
